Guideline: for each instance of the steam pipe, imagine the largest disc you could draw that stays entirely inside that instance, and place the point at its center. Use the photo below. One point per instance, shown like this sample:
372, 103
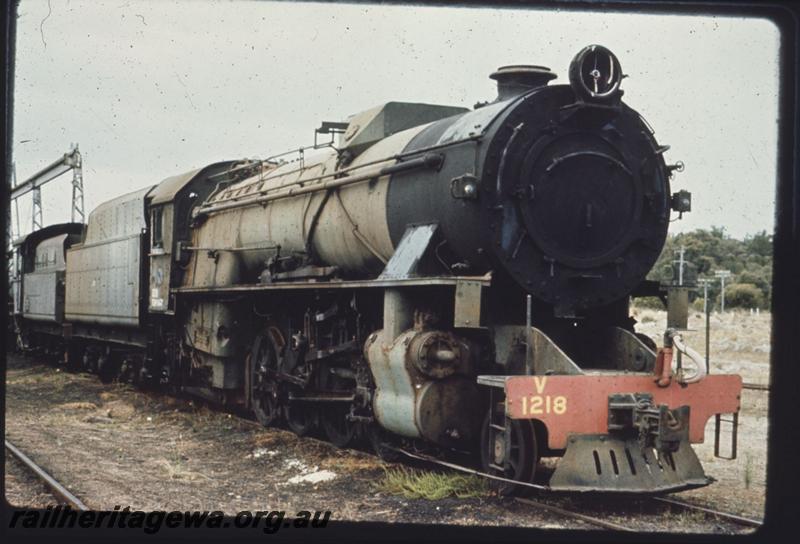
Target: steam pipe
696, 358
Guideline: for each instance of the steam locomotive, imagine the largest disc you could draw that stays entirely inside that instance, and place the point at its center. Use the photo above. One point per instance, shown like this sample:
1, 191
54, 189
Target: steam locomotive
433, 277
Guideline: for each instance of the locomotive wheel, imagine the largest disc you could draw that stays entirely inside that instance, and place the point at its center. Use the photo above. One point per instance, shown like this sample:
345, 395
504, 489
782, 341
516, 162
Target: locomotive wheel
264, 361
339, 430
299, 415
522, 454
89, 362
72, 359
647, 341
108, 367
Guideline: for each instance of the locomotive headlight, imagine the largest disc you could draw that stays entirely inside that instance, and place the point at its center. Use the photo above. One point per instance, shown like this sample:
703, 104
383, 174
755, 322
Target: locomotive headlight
595, 74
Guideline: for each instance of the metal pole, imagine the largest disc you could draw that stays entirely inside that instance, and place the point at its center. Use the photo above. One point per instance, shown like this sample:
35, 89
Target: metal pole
529, 338
77, 186
681, 262
15, 231
722, 305
37, 209
708, 328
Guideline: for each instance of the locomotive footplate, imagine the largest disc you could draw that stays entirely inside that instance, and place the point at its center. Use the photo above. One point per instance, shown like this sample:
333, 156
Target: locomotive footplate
620, 432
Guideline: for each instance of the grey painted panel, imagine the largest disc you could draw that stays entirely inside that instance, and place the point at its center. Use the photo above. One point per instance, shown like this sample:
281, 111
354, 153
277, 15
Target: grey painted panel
374, 124
169, 187
43, 300
103, 282
50, 254
412, 246
123, 216
474, 122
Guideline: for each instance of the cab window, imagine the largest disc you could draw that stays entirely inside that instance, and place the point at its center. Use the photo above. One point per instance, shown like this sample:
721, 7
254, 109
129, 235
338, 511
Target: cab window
157, 227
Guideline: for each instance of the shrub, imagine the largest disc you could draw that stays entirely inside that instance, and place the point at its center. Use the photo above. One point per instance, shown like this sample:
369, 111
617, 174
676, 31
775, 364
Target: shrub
422, 484
653, 303
743, 295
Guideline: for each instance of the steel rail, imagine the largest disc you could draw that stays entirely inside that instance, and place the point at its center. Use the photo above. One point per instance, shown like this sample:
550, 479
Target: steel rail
577, 515
755, 386
55, 487
741, 520
435, 461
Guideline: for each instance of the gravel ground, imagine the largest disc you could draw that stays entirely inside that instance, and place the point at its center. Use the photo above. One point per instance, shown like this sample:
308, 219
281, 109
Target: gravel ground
114, 445
23, 490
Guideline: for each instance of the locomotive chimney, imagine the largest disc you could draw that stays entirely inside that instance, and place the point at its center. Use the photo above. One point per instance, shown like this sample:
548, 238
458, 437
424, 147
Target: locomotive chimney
516, 79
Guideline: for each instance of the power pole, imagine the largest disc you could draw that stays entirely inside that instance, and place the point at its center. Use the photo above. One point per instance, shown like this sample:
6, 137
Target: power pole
37, 209
13, 229
77, 185
707, 312
722, 275
69, 161
681, 264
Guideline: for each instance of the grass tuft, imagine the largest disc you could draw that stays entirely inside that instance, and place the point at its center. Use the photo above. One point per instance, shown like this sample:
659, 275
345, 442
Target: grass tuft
419, 484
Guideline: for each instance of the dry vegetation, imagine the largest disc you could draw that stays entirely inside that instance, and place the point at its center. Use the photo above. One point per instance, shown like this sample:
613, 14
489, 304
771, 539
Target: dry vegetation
424, 484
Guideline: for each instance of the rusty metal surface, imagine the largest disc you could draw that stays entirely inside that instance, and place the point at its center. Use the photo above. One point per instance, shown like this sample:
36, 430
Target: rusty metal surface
548, 357
394, 400
605, 463
423, 387
677, 307
467, 310
579, 404
161, 260
625, 350
510, 349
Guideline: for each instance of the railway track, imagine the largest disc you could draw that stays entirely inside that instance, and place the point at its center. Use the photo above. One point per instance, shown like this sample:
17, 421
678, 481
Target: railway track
543, 504
55, 487
755, 386
733, 518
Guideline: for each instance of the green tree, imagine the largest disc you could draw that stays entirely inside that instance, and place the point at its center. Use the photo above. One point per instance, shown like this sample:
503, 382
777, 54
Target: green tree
743, 295
708, 250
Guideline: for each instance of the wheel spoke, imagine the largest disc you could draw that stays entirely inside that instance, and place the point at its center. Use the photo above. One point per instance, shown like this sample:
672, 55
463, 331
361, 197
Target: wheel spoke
264, 359
520, 454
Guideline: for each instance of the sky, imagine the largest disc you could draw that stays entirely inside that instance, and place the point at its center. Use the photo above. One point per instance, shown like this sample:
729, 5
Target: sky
150, 89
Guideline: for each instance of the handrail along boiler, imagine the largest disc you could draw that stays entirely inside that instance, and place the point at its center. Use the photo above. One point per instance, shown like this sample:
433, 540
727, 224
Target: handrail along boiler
450, 279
